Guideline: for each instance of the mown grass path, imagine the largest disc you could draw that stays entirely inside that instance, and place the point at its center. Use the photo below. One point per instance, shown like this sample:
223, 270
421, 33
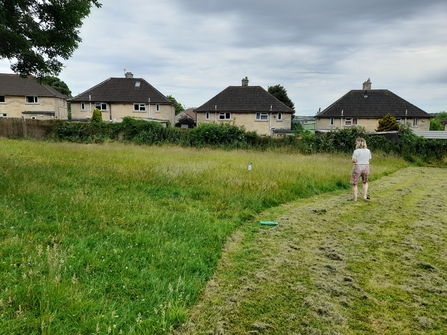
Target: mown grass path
333, 266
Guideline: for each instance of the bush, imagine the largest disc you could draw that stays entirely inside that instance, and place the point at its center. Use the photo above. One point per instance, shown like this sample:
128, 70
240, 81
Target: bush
388, 123
223, 135
218, 134
342, 141
96, 116
138, 131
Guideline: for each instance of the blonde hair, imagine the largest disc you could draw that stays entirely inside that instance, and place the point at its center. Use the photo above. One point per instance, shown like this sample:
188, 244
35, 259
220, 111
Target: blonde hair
360, 143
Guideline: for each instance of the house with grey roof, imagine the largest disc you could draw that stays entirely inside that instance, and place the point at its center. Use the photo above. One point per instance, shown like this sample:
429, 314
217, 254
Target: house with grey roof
186, 118
364, 108
25, 97
117, 98
249, 106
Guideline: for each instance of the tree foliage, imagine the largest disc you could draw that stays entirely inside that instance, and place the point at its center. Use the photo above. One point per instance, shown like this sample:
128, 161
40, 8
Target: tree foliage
280, 93
37, 33
57, 84
436, 122
388, 123
178, 106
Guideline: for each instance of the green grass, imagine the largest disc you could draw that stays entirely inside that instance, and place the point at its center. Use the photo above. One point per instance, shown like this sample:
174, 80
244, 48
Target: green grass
111, 239
333, 266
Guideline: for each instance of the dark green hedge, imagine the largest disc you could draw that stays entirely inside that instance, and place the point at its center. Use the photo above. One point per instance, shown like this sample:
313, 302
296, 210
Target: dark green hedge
228, 136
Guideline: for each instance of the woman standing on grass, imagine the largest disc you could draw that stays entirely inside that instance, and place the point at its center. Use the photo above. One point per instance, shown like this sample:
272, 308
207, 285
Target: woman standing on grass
360, 158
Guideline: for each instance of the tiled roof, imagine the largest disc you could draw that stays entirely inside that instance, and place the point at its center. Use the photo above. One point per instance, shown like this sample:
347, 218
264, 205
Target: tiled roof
244, 99
372, 104
122, 90
14, 85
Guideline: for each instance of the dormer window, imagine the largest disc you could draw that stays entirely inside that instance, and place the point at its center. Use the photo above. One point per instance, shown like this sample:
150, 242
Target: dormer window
137, 84
32, 99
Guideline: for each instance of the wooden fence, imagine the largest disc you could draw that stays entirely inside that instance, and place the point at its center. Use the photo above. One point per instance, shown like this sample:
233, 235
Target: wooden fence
24, 128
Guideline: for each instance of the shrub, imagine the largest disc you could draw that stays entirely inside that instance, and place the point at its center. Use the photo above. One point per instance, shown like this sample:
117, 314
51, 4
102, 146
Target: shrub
223, 135
342, 140
388, 123
218, 134
138, 131
96, 116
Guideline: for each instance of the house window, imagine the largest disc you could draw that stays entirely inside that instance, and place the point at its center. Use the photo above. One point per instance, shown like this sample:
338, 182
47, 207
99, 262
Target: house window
3, 115
415, 122
262, 116
350, 122
158, 107
2, 99
332, 122
102, 106
399, 120
225, 116
82, 106
139, 107
279, 116
207, 116
32, 99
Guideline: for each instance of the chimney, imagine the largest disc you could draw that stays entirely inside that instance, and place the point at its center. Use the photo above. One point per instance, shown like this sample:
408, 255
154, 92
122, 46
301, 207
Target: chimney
129, 75
245, 81
367, 85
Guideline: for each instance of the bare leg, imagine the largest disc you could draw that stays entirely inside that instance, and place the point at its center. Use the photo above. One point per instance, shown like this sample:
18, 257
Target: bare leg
354, 191
365, 190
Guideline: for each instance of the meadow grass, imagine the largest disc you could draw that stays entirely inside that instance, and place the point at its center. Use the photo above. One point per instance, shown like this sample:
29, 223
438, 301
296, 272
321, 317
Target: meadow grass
121, 239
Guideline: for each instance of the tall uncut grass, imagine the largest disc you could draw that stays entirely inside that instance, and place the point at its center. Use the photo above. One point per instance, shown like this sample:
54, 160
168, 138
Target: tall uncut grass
120, 239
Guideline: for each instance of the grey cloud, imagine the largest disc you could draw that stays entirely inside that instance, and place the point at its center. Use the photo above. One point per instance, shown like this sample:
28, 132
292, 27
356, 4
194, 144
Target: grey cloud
318, 50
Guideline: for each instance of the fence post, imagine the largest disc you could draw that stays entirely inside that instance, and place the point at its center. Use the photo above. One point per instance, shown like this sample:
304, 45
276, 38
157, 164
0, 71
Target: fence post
24, 128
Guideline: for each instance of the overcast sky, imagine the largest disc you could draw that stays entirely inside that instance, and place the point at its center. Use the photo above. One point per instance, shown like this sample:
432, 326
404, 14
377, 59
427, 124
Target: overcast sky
317, 49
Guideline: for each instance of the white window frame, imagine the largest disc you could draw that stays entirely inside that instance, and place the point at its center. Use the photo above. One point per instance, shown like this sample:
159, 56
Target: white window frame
207, 115
262, 116
2, 99
82, 106
415, 122
279, 117
350, 122
139, 107
332, 121
224, 116
3, 115
157, 107
102, 106
31, 100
